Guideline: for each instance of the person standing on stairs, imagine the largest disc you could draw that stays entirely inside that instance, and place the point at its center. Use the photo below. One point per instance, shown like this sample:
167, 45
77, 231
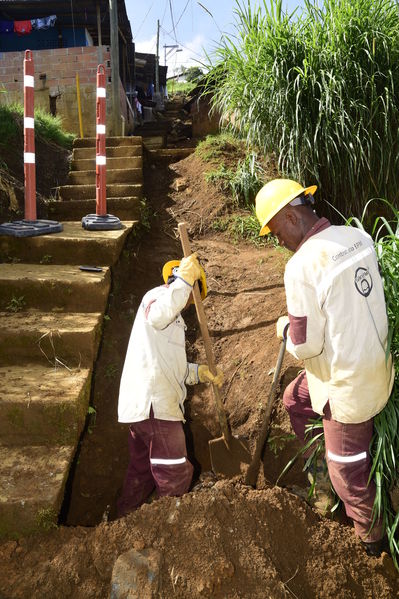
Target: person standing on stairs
153, 388
337, 323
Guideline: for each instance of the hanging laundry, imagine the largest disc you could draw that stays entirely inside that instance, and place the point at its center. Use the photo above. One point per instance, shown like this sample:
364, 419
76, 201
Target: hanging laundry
6, 26
44, 22
22, 27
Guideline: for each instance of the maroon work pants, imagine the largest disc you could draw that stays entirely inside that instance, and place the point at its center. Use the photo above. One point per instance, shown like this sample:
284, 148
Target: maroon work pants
158, 459
347, 454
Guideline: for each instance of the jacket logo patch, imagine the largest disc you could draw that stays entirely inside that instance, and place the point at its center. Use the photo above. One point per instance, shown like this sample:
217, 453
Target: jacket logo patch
363, 281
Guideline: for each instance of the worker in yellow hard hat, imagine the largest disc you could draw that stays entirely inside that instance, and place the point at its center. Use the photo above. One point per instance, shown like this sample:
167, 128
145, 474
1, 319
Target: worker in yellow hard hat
337, 324
153, 387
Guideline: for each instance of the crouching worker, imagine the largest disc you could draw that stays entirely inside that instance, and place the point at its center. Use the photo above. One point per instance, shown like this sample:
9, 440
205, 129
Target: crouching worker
153, 388
337, 323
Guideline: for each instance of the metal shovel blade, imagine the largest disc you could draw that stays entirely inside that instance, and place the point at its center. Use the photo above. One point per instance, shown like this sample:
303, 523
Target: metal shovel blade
228, 459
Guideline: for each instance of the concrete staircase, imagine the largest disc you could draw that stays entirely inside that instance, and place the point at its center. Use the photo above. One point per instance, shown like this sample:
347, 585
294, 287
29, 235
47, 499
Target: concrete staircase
51, 315
124, 180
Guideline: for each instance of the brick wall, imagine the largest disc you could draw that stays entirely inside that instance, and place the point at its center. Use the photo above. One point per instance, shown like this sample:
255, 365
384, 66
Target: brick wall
58, 69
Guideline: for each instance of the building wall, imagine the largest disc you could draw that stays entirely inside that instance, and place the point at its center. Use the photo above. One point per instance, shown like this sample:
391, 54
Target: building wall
55, 76
204, 123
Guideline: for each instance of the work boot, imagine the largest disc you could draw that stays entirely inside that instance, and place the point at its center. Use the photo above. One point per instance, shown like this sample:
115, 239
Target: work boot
375, 548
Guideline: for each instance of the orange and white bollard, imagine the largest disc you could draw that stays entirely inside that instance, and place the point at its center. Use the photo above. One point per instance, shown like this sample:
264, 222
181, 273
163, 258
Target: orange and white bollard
30, 226
29, 137
101, 220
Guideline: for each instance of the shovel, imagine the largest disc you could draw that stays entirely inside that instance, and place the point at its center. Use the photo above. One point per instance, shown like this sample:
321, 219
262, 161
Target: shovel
227, 452
253, 470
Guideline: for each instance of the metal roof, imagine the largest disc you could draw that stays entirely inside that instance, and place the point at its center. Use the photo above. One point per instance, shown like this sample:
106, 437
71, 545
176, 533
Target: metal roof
70, 13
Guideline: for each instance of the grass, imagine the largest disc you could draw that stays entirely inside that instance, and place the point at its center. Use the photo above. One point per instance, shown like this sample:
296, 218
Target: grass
216, 147
241, 227
46, 126
319, 90
180, 87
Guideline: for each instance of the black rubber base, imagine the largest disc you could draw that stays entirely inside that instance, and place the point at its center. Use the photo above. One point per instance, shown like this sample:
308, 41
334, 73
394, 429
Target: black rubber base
30, 228
106, 222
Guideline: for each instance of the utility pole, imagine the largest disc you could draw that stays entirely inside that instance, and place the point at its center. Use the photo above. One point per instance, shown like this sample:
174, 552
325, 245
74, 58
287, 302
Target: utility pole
113, 22
157, 62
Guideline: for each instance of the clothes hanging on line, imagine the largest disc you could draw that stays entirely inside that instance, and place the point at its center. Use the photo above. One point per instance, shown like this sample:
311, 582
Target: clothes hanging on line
22, 27
44, 22
6, 26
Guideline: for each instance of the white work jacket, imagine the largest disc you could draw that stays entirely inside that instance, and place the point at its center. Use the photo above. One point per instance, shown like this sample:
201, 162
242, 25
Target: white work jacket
338, 322
156, 370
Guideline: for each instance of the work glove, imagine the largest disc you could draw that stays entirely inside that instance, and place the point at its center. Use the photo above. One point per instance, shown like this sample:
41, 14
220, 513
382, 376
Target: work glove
206, 376
282, 327
189, 269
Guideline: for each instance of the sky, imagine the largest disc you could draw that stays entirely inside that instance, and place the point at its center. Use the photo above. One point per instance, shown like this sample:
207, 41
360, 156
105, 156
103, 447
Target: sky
193, 26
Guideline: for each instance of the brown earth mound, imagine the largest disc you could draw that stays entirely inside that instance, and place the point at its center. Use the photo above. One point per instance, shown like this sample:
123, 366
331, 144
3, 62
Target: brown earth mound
222, 539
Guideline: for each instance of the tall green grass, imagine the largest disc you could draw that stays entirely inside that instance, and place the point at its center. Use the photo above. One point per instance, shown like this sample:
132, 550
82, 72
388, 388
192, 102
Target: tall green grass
318, 89
385, 442
46, 126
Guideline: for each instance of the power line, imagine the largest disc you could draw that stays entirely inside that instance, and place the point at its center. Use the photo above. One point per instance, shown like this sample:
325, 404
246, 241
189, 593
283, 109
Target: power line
171, 16
180, 44
143, 21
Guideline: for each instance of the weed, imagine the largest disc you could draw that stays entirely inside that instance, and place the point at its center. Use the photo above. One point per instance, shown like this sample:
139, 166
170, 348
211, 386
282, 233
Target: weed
146, 214
46, 518
92, 414
278, 442
106, 317
47, 259
16, 304
247, 180
221, 177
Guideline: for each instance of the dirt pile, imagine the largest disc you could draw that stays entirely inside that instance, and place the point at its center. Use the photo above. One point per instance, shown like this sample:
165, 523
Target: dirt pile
224, 541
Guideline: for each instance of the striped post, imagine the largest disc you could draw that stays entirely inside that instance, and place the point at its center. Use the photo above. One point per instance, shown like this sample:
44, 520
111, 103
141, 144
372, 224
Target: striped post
101, 167
29, 138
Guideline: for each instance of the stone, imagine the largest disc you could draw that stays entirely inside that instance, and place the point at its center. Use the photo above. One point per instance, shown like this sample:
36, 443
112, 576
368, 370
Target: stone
180, 184
136, 575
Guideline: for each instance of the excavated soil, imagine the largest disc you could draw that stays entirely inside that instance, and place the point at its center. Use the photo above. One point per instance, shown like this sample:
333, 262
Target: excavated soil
222, 539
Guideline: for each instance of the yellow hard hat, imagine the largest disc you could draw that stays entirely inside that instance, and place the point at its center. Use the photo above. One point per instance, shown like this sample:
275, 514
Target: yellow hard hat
168, 271
274, 196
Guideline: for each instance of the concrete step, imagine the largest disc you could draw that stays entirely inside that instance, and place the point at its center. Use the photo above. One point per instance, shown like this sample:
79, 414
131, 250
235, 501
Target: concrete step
89, 164
154, 141
90, 142
43, 405
115, 152
122, 175
45, 338
53, 288
86, 192
126, 209
73, 245
32, 483
172, 154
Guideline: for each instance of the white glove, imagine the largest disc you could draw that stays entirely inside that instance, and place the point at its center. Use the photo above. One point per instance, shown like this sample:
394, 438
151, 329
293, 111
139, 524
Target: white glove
282, 327
206, 376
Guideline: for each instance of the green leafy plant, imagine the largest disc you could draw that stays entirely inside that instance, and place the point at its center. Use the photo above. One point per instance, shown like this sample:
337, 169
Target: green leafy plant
221, 177
247, 180
16, 304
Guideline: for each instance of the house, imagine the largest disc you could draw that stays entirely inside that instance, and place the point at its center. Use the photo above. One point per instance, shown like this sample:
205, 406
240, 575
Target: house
81, 35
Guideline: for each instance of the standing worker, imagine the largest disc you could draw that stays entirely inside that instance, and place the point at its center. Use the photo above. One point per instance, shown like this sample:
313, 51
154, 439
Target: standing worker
153, 388
337, 323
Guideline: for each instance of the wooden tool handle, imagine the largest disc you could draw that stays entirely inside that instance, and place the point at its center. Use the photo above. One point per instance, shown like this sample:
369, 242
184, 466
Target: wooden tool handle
253, 470
185, 242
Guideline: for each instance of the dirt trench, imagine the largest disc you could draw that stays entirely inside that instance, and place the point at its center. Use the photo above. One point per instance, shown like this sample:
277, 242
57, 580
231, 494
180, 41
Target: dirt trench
222, 539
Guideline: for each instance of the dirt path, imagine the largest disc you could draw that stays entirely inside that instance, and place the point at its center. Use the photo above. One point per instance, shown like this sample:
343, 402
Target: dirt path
221, 539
